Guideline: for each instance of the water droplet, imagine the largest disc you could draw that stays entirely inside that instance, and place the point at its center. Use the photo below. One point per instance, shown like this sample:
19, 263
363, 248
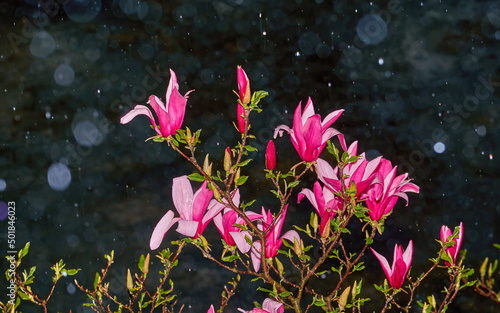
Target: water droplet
64, 75
439, 147
371, 29
59, 176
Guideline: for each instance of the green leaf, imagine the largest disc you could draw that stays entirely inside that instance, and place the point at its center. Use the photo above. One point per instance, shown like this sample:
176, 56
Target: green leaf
241, 180
196, 177
141, 262
250, 148
241, 164
72, 272
97, 279
293, 184
23, 296
257, 96
162, 139
244, 205
230, 258
24, 251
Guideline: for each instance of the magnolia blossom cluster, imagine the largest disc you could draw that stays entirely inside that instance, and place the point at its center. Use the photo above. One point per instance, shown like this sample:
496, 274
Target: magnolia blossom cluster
373, 182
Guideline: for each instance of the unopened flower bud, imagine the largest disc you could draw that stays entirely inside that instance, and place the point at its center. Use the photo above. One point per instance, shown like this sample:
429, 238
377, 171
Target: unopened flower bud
343, 298
240, 111
130, 283
279, 265
270, 156
243, 85
482, 269
227, 160
207, 168
326, 230
237, 175
314, 222
354, 287
189, 136
216, 193
145, 266
297, 246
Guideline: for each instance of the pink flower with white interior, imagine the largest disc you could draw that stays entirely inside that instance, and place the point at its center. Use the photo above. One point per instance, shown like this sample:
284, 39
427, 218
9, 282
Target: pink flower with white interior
273, 240
309, 134
324, 200
400, 264
170, 115
225, 223
195, 211
361, 173
382, 195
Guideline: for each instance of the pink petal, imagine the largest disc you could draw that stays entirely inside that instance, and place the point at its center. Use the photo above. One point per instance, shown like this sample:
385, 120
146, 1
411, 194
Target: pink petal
182, 194
310, 196
331, 118
272, 306
291, 235
161, 229
385, 265
140, 110
172, 84
240, 241
255, 255
187, 228
308, 111
201, 199
408, 255
279, 130
211, 309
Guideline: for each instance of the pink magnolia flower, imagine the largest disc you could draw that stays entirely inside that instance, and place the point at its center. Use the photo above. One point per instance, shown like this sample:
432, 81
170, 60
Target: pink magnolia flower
400, 264
273, 240
195, 211
245, 96
361, 172
383, 194
268, 306
309, 134
170, 115
225, 223
324, 200
211, 309
270, 156
446, 233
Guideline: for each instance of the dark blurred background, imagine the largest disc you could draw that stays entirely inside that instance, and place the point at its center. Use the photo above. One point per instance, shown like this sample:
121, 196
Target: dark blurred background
419, 82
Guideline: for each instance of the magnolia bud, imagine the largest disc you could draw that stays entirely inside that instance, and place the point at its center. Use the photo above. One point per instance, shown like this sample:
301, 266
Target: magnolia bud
279, 265
130, 283
343, 298
145, 266
314, 222
243, 85
297, 246
270, 156
189, 136
216, 192
237, 175
207, 168
326, 230
227, 160
482, 269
